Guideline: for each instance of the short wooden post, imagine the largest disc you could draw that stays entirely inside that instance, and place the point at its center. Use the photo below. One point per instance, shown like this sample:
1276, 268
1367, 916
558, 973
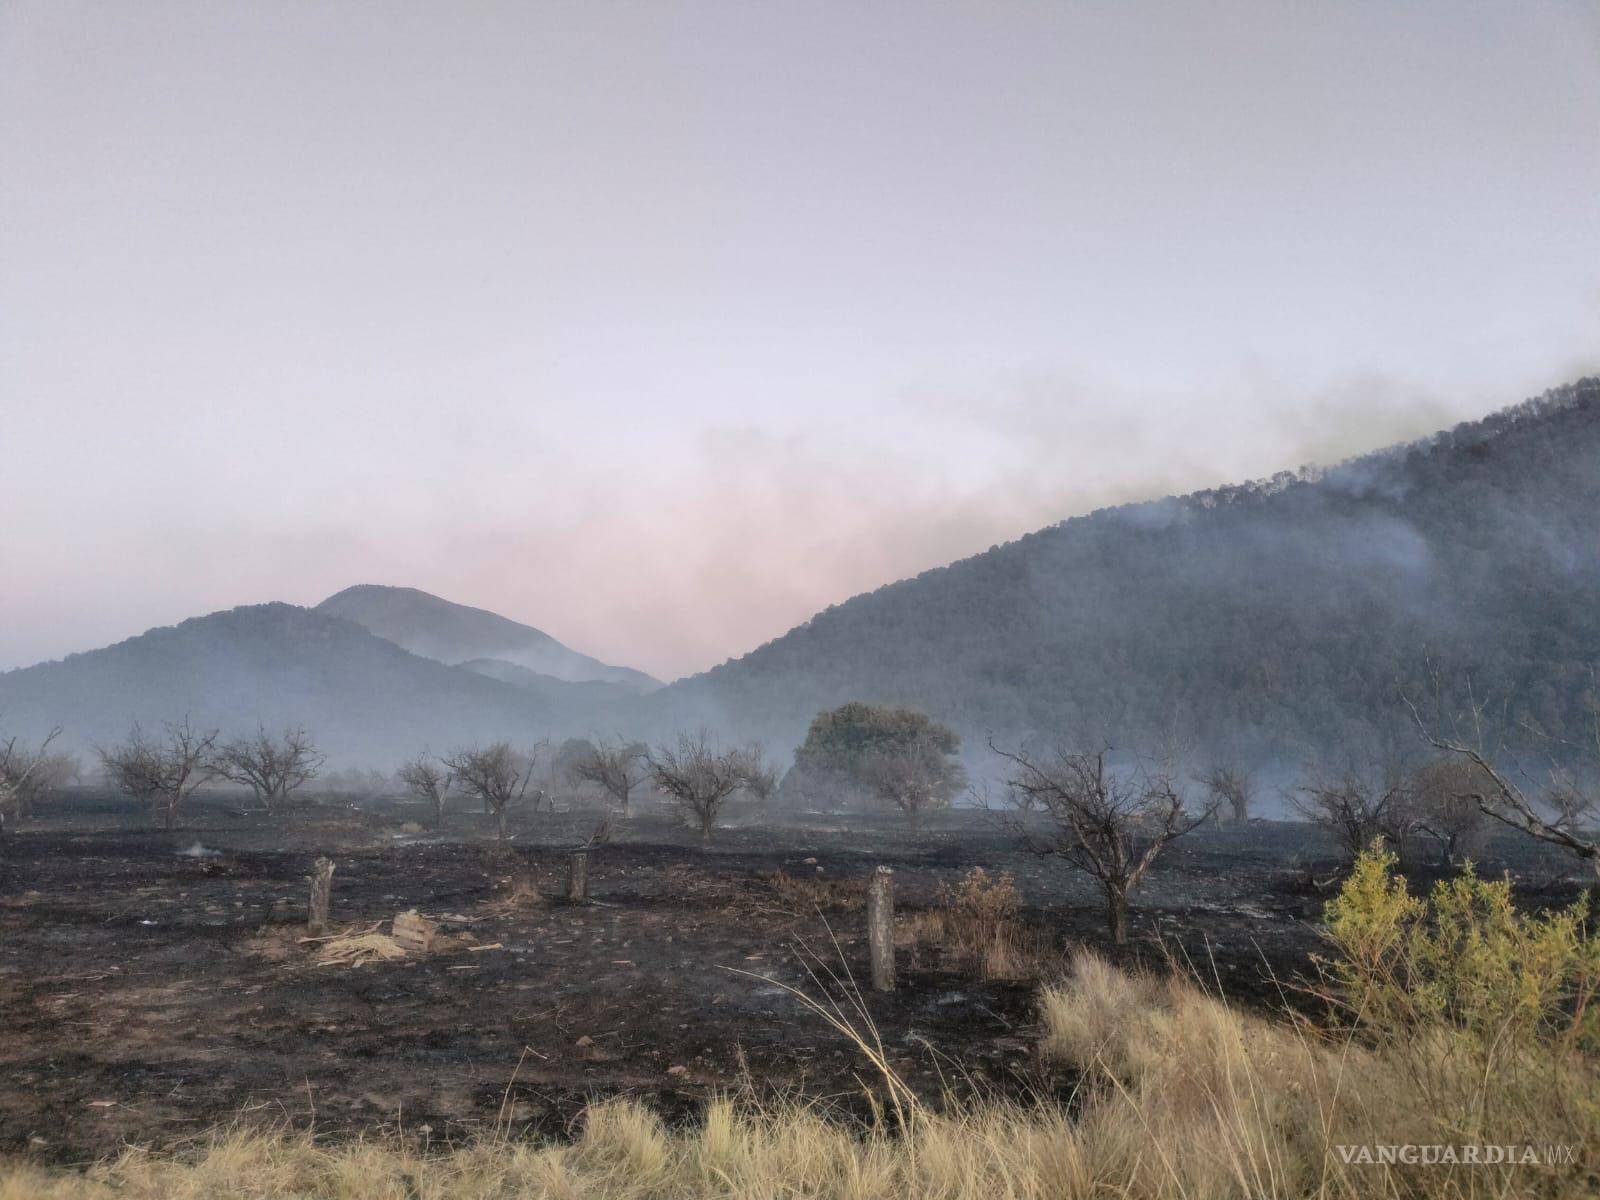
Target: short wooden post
321, 882
880, 928
578, 876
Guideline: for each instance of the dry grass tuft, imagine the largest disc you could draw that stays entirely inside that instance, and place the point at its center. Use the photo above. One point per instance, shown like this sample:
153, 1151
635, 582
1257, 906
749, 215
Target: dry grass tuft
1187, 1096
977, 924
356, 949
808, 893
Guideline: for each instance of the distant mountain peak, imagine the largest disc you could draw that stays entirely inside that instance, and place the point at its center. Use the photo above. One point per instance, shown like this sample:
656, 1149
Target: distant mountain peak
453, 633
365, 699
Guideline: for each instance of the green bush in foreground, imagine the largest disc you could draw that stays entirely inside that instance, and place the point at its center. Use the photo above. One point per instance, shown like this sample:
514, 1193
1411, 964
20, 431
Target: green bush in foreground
1463, 959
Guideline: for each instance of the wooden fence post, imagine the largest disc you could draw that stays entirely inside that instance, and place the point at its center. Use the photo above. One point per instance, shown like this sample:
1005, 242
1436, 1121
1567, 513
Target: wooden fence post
578, 877
880, 928
321, 882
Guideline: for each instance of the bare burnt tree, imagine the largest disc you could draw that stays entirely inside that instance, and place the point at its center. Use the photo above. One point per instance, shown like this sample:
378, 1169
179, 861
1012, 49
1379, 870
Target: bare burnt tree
134, 768
1111, 825
617, 767
26, 774
271, 766
1569, 805
915, 775
1401, 822
496, 774
1355, 806
1446, 811
1554, 805
698, 777
760, 778
51, 772
1233, 786
163, 771
428, 779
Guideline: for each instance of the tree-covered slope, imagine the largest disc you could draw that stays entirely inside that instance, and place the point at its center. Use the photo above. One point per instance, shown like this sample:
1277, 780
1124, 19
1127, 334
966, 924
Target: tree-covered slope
1281, 616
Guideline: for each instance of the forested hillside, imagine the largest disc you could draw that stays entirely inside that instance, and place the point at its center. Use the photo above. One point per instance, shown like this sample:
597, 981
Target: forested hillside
1279, 618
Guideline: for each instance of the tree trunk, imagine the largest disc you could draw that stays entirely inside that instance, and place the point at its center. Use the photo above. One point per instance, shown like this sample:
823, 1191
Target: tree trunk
500, 821
880, 928
578, 877
707, 820
1117, 913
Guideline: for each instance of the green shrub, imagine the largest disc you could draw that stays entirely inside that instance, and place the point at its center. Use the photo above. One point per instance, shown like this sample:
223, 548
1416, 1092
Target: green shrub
1464, 959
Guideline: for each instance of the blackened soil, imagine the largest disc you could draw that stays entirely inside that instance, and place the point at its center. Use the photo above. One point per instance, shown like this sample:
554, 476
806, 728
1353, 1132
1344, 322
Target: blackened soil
146, 994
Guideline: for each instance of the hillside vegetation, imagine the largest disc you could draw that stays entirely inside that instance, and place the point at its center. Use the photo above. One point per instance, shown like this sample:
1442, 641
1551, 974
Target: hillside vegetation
1279, 618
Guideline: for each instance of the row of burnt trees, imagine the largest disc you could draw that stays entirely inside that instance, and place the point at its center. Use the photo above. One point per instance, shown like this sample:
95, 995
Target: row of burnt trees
1402, 803
164, 770
1113, 823
694, 774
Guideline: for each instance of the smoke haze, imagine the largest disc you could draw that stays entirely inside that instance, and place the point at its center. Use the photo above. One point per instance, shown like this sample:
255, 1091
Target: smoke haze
661, 327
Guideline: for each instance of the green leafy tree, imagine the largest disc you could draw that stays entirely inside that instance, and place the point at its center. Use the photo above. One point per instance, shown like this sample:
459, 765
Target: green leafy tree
895, 756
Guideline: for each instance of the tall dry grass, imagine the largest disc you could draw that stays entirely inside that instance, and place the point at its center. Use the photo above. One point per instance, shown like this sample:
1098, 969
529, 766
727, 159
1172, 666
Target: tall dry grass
1182, 1098
1187, 1096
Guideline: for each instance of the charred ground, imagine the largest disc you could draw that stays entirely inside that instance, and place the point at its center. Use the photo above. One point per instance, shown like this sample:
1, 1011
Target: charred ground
147, 993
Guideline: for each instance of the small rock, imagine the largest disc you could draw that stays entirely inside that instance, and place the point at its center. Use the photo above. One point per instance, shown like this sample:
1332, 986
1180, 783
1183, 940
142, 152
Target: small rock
677, 1072
585, 1041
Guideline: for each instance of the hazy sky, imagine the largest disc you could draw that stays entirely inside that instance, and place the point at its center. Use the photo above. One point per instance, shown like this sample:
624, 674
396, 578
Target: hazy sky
661, 326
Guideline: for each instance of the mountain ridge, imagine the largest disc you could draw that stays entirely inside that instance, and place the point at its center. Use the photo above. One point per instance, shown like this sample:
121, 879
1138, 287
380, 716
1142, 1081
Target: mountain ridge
1275, 619
366, 700
455, 633
1092, 624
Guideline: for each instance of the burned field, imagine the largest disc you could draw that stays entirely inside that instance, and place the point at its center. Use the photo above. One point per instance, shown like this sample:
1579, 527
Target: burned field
154, 984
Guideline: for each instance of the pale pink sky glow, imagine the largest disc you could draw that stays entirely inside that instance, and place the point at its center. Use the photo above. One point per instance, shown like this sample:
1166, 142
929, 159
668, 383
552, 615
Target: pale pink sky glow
662, 326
